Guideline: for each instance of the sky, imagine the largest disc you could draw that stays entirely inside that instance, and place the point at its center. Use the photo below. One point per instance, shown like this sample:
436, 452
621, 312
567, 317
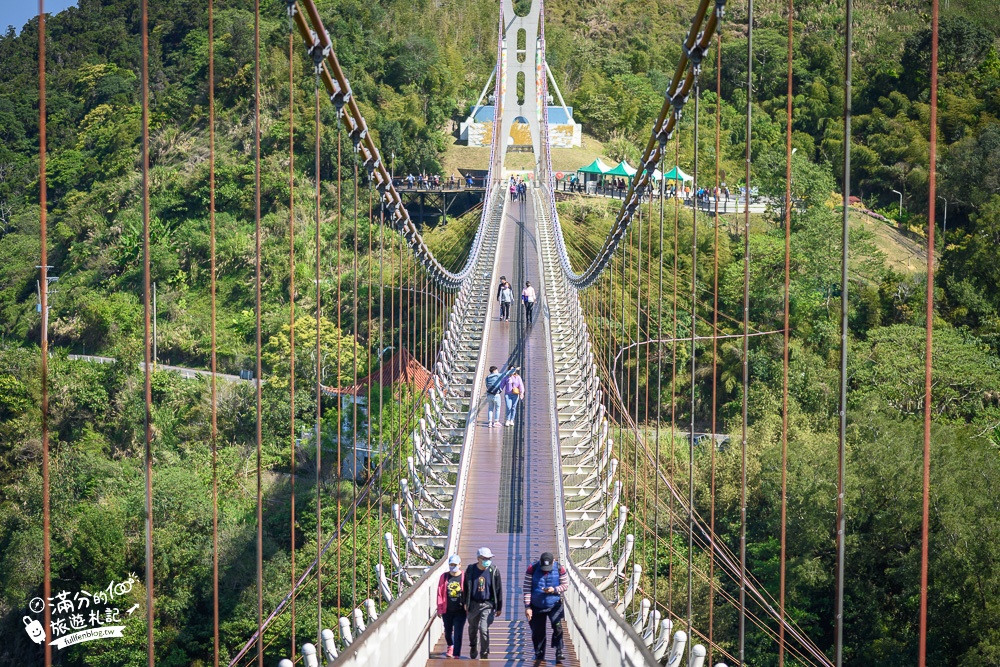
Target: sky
19, 12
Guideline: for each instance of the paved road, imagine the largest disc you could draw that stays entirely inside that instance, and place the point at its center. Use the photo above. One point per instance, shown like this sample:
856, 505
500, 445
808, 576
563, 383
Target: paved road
187, 373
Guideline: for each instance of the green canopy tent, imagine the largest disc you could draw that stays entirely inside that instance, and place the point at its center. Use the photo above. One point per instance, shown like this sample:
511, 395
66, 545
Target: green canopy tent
676, 174
622, 169
596, 167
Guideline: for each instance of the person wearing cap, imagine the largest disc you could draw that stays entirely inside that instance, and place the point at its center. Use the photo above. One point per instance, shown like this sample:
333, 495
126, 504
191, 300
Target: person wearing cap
545, 581
450, 605
483, 597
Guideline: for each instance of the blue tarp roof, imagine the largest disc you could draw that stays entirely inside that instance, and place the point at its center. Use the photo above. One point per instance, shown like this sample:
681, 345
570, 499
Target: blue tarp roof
557, 115
485, 114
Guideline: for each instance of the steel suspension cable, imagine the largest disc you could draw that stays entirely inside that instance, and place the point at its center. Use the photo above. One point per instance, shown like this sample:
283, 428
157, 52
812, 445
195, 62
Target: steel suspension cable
214, 361
694, 335
621, 298
659, 390
368, 346
929, 351
339, 410
709, 541
320, 47
147, 351
44, 338
319, 365
706, 543
402, 321
673, 372
649, 326
785, 342
746, 342
715, 340
381, 343
842, 440
638, 314
257, 378
354, 403
291, 305
694, 46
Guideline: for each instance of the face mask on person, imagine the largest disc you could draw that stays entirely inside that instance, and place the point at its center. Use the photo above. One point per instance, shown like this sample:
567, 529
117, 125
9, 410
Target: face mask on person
486, 563
456, 568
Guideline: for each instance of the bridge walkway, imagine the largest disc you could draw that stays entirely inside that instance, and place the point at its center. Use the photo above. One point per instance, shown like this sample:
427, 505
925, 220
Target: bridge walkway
511, 485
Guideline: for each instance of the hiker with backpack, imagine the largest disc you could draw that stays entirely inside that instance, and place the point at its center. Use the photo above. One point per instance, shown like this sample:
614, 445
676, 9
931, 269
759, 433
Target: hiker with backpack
528, 298
544, 583
513, 393
494, 388
505, 295
483, 598
449, 605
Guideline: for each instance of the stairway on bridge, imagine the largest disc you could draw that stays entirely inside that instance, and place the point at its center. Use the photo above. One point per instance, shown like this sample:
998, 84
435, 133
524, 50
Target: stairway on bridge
511, 488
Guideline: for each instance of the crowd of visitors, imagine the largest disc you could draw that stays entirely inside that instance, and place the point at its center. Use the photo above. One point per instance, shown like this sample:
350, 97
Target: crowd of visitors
476, 595
425, 181
518, 189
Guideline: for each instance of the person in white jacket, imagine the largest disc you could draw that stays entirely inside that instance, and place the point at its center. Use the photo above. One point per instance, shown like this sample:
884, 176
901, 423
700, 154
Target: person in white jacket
528, 298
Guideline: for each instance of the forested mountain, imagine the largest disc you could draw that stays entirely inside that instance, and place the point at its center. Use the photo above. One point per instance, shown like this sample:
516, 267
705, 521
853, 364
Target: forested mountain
416, 67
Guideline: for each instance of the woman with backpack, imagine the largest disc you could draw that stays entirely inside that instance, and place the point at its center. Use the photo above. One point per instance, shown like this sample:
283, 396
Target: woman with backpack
513, 393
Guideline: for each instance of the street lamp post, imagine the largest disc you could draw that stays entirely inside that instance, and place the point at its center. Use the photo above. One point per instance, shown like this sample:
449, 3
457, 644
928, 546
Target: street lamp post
900, 204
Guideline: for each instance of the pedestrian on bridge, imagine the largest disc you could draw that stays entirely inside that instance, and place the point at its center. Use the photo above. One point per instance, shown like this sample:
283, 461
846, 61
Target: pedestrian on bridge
494, 388
483, 598
528, 297
505, 295
450, 605
545, 581
513, 393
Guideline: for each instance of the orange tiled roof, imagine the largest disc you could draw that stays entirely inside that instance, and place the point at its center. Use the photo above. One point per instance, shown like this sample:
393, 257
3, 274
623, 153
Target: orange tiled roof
401, 367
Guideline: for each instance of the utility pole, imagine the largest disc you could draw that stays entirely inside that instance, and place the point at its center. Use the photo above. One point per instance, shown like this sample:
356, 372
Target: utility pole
49, 279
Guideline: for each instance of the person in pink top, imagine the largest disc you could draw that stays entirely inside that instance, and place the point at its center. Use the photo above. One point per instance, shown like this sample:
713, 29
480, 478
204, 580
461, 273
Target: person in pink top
513, 393
450, 608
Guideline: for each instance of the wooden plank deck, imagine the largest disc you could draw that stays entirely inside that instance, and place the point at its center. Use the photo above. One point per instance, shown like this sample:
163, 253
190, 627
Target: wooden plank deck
510, 506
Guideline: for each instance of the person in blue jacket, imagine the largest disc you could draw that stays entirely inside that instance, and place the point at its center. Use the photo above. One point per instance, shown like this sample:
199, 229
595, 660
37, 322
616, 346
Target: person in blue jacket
545, 581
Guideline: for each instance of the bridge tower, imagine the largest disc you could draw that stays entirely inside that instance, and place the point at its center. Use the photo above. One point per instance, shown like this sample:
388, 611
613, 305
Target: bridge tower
521, 63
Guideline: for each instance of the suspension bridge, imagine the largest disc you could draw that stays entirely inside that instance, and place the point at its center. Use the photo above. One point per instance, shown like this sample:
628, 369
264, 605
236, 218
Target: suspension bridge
583, 471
